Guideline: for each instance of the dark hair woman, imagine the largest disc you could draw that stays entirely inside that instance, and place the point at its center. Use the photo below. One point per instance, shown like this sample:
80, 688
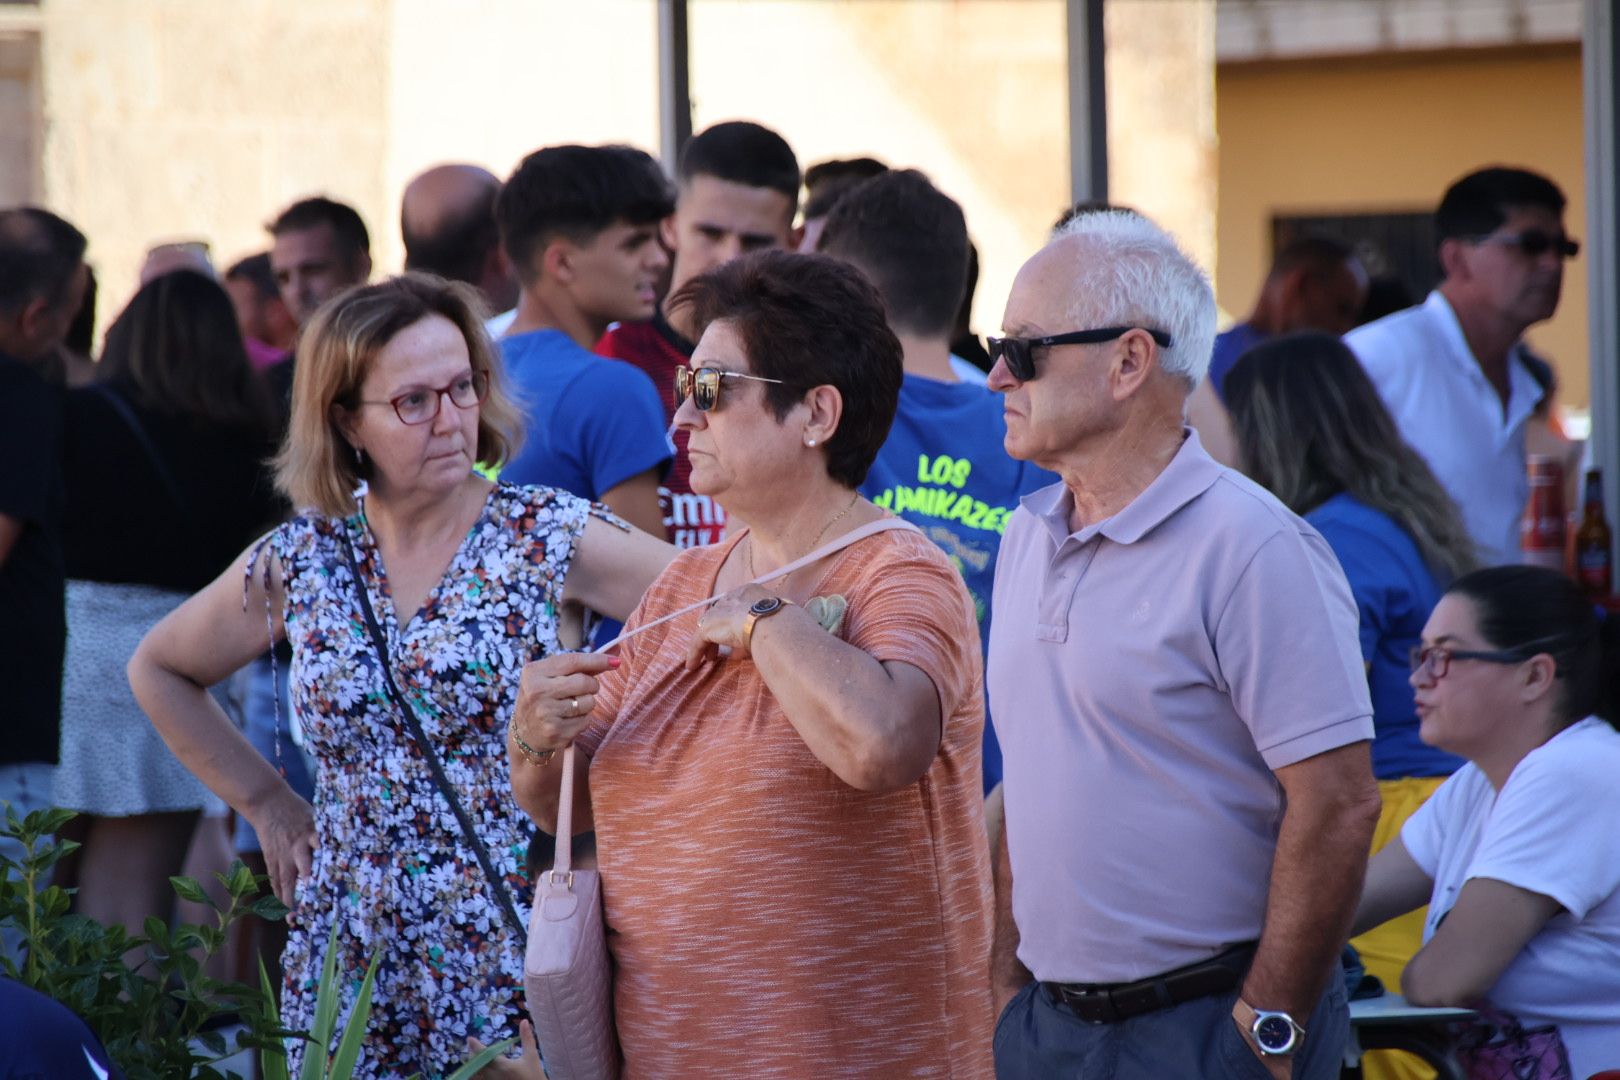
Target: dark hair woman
165, 477
804, 755
1518, 854
1309, 426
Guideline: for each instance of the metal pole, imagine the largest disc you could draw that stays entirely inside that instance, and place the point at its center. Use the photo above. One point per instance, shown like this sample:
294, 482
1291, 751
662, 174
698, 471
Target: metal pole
674, 84
1600, 73
1088, 102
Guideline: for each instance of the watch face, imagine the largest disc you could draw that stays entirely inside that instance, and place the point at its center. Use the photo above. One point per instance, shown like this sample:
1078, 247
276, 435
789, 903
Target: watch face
765, 606
1274, 1034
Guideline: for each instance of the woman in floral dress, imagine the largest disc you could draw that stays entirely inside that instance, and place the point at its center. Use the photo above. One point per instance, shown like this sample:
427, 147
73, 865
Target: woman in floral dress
396, 391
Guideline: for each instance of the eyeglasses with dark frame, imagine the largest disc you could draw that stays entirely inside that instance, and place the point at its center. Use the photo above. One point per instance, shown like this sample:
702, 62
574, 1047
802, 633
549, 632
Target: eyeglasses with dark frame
421, 406
1534, 243
1019, 353
1437, 658
702, 385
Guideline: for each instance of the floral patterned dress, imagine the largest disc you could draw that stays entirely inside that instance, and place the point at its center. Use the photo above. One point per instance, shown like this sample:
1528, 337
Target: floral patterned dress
391, 871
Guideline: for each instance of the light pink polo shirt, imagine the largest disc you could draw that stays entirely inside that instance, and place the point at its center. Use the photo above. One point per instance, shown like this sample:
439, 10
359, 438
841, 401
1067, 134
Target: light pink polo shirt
1146, 674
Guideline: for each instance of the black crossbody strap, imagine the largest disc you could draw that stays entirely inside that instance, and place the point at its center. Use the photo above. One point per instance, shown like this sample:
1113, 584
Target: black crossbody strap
138, 429
502, 896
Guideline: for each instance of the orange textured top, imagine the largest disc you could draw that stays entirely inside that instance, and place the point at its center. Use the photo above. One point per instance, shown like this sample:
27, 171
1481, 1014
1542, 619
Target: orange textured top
766, 919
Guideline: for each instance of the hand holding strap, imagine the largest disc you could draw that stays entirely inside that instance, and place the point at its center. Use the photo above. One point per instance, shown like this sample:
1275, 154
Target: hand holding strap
565, 798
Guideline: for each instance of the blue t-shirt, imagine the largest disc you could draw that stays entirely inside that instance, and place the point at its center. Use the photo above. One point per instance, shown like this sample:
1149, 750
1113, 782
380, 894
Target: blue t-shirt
1236, 341
593, 422
1395, 591
945, 470
41, 1040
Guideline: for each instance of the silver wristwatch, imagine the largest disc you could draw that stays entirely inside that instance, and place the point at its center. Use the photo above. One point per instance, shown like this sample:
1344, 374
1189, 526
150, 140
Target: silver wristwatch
1275, 1033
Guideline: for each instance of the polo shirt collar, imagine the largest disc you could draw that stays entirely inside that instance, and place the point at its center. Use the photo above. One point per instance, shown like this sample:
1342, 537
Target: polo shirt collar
1190, 473
1524, 393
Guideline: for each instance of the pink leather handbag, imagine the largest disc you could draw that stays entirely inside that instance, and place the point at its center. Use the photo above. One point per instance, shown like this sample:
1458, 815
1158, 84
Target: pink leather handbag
566, 971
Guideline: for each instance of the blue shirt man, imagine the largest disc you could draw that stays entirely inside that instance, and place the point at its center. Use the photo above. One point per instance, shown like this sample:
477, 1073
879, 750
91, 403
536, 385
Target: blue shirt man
594, 423
580, 226
944, 470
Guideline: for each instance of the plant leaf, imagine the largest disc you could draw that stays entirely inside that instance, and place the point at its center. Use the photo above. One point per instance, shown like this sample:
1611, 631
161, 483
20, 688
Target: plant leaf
326, 1004
188, 889
354, 1032
272, 1063
268, 907
481, 1059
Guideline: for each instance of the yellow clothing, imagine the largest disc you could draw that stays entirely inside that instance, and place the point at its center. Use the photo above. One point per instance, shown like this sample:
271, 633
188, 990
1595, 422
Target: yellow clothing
1386, 949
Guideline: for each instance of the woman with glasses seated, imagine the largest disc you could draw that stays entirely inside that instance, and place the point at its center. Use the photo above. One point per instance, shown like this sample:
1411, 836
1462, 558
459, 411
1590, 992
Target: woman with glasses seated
785, 786
1518, 853
396, 398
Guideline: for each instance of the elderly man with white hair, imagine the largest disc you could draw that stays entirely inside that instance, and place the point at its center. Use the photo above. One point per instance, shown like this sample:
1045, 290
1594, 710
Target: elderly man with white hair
1189, 792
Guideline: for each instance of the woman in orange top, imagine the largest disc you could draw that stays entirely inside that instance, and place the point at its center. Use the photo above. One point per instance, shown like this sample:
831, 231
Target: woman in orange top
785, 791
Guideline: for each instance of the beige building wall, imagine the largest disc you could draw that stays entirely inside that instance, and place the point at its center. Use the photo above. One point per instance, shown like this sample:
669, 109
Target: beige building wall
1388, 134
1161, 116
488, 81
197, 119
189, 119
974, 93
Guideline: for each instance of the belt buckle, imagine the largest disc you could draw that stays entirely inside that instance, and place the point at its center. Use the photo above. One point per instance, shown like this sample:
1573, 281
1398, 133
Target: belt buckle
1102, 1001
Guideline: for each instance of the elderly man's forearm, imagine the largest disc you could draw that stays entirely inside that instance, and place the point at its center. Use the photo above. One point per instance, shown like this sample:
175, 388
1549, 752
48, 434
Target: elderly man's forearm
1316, 882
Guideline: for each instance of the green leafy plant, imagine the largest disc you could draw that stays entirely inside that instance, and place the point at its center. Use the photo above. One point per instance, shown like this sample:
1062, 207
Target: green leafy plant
147, 996
157, 1015
340, 1064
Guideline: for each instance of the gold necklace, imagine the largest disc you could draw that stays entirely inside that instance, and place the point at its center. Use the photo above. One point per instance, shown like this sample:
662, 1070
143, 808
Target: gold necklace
813, 544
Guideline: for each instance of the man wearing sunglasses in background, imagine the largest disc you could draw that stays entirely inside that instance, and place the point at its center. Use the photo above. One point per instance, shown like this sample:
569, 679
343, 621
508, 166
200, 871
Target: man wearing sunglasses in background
1177, 683
1452, 370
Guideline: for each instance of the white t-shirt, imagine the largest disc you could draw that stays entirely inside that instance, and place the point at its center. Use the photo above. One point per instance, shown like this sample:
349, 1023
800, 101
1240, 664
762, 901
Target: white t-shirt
1448, 411
1554, 829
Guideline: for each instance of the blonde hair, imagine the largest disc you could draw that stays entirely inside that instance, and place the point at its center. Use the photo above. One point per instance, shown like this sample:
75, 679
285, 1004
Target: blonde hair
315, 468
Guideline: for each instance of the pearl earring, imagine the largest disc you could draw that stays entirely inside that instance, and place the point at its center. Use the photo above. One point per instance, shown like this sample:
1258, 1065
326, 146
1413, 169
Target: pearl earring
809, 442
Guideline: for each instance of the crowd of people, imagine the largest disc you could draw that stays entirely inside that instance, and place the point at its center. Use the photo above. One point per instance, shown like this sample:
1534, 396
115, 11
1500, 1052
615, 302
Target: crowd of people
1189, 656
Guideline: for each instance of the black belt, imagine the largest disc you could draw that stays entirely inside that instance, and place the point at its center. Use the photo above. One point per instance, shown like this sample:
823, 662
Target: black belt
1109, 1003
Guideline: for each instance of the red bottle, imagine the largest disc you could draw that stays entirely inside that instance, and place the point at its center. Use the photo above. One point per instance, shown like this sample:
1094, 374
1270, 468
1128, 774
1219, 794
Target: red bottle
1541, 534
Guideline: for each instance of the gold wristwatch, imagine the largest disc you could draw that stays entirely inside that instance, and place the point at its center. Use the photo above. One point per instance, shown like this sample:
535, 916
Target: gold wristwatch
760, 609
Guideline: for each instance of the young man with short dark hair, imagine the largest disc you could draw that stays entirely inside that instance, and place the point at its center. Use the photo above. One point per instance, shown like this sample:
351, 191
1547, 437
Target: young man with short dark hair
580, 226
943, 467
321, 248
738, 191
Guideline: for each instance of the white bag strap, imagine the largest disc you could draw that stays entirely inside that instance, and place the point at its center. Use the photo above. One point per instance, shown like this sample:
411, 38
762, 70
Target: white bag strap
565, 797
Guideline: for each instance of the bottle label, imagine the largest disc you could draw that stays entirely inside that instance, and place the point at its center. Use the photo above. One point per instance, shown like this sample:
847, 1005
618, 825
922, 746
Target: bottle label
1593, 570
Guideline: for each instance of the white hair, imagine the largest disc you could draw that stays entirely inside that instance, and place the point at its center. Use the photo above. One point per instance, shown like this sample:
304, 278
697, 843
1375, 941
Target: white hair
1133, 273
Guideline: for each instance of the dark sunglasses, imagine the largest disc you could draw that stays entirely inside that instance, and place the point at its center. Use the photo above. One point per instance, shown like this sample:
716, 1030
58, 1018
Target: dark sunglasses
702, 385
1535, 243
1019, 353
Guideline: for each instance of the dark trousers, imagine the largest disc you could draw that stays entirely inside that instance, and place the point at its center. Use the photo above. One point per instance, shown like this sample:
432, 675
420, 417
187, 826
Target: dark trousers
1038, 1040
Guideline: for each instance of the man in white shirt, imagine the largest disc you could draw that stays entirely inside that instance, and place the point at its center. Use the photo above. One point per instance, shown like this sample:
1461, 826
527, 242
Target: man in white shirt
1452, 369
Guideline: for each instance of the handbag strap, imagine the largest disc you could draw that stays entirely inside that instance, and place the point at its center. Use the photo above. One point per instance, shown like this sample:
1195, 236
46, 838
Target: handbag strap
565, 797
468, 832
138, 429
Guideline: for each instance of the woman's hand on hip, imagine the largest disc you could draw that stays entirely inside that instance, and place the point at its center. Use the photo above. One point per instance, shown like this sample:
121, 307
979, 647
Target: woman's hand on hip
286, 829
556, 696
722, 626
